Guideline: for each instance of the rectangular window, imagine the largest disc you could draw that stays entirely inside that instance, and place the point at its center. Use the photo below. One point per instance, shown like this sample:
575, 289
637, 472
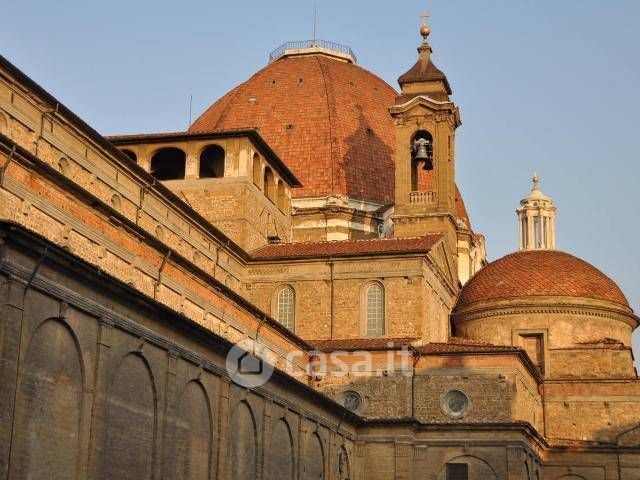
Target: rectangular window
533, 344
457, 471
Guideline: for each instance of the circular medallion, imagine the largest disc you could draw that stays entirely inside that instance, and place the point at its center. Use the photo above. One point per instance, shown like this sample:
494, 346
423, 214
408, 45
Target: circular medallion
352, 400
455, 403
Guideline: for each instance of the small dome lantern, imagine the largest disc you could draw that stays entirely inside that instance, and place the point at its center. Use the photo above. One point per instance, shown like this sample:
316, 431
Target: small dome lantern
536, 220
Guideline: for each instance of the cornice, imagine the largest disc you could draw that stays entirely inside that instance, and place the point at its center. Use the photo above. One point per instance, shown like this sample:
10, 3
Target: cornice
546, 305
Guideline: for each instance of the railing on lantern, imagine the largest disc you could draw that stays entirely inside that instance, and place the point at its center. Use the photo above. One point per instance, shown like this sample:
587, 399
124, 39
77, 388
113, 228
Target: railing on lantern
307, 44
423, 198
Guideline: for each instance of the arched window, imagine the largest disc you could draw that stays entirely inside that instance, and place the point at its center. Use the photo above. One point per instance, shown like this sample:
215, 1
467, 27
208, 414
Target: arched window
375, 309
282, 197
168, 164
286, 307
257, 170
131, 154
212, 162
269, 184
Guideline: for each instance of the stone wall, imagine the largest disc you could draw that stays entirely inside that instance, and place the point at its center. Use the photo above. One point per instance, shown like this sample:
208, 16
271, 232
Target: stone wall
416, 301
97, 382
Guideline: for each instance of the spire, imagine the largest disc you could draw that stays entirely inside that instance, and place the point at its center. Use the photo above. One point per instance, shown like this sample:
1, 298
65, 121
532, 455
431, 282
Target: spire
424, 77
537, 220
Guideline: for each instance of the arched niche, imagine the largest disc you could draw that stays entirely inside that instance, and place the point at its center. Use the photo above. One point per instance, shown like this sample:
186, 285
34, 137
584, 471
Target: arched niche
342, 465
313, 461
168, 164
192, 439
212, 161
280, 461
282, 197
243, 444
116, 202
257, 170
131, 421
476, 467
269, 184
48, 405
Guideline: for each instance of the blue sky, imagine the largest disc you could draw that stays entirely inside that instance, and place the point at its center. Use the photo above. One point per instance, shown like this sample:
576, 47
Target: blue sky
543, 85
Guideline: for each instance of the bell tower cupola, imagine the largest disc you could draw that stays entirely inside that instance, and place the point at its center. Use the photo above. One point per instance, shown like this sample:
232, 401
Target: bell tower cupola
537, 220
425, 122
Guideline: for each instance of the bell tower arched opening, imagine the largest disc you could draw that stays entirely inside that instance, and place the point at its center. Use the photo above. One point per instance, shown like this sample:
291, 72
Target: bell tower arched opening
421, 161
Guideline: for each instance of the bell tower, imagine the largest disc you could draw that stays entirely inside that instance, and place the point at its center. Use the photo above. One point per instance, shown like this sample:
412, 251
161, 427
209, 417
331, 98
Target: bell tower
425, 121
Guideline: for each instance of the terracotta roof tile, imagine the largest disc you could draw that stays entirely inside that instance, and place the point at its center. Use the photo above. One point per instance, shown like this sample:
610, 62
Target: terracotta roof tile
347, 247
459, 345
540, 273
327, 119
454, 345
350, 344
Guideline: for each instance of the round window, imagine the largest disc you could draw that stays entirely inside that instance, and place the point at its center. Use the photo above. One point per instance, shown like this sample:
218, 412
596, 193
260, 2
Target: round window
455, 403
352, 400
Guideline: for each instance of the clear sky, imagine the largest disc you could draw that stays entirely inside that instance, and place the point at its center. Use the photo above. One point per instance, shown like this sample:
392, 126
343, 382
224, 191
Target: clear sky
543, 85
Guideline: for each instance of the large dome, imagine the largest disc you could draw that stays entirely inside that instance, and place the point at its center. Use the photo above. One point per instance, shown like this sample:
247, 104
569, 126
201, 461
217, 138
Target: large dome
326, 117
536, 273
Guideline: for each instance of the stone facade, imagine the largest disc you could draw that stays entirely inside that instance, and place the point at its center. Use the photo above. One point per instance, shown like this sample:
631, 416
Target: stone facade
122, 293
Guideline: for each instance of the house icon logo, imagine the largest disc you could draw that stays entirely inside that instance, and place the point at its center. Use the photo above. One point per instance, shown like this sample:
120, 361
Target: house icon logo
247, 364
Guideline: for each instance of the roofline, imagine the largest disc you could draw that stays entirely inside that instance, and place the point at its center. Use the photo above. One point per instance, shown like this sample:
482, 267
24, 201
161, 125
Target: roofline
37, 239
150, 239
418, 425
251, 133
348, 348
324, 256
176, 201
519, 352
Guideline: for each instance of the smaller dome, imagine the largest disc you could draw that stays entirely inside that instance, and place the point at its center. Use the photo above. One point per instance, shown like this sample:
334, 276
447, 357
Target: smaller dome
540, 273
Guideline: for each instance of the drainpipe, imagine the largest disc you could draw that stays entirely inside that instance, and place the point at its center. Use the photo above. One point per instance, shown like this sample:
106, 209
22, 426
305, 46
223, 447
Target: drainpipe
159, 281
6, 165
260, 325
143, 190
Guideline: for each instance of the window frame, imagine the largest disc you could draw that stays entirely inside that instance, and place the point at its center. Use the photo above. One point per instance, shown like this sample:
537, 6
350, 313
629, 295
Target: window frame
365, 331
275, 306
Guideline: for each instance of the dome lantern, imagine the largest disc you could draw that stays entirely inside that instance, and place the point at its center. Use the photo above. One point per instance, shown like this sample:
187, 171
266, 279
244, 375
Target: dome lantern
536, 220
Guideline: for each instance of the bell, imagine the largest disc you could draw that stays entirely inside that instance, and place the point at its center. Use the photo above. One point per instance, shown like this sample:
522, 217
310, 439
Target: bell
422, 148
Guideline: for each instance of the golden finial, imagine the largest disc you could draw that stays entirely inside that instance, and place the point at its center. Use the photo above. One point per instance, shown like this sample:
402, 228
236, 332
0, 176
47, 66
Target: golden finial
425, 30
536, 180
